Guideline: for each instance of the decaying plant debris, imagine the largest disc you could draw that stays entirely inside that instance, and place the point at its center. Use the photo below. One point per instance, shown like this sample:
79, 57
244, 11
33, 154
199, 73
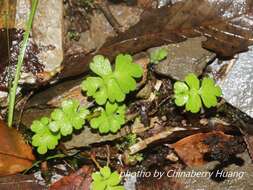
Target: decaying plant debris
205, 38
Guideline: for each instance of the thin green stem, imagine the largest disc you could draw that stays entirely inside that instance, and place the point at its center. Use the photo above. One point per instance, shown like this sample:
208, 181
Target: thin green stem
13, 90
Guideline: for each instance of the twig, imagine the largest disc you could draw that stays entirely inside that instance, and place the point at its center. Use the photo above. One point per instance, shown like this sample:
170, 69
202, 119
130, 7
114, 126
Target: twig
23, 104
144, 143
13, 89
108, 154
103, 6
95, 161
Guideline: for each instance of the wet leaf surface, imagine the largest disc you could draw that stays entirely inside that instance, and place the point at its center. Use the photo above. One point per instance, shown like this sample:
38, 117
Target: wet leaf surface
15, 154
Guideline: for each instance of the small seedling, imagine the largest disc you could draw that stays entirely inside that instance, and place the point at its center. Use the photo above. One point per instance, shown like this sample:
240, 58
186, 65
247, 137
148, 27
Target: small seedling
44, 139
130, 140
110, 119
108, 85
158, 55
112, 85
70, 116
106, 180
190, 94
62, 121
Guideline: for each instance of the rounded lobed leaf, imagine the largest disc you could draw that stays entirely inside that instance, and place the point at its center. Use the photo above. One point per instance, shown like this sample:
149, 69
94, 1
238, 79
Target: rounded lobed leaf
45, 140
209, 92
106, 180
110, 119
114, 179
158, 55
101, 65
112, 85
192, 95
192, 81
194, 102
105, 172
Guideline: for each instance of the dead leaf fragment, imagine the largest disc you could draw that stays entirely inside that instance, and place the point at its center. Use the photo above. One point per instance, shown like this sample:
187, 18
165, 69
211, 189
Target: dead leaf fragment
78, 180
24, 182
194, 149
15, 154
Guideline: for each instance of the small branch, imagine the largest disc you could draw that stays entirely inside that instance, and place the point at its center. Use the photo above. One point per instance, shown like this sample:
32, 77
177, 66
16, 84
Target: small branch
103, 6
108, 155
144, 143
95, 161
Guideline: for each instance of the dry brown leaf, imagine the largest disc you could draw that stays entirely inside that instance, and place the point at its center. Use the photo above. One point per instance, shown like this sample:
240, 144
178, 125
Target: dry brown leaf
22, 182
15, 154
192, 149
78, 180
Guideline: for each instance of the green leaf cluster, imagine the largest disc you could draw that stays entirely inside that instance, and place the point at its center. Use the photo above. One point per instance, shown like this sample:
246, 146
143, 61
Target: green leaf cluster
68, 117
108, 88
110, 119
158, 55
106, 180
48, 131
44, 139
192, 94
112, 85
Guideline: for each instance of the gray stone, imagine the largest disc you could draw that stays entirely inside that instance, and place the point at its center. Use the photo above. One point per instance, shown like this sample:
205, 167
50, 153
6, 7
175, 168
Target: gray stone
183, 58
235, 78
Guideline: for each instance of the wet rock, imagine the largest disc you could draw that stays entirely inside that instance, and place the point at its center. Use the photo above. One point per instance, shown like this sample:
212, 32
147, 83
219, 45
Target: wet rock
162, 3
235, 78
31, 66
183, 58
78, 53
88, 137
100, 29
44, 53
47, 30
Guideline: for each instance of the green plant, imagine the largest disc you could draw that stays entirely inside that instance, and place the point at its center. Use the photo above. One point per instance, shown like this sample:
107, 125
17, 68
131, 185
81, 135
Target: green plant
62, 121
158, 55
13, 88
70, 116
106, 180
44, 139
110, 119
190, 93
128, 141
73, 35
112, 85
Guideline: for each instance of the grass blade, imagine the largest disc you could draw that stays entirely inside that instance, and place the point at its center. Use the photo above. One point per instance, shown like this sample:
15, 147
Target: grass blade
13, 89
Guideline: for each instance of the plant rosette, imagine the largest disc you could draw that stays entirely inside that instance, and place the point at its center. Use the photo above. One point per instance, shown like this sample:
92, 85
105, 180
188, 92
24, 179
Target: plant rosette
44, 139
191, 94
106, 180
111, 118
112, 85
69, 116
48, 131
